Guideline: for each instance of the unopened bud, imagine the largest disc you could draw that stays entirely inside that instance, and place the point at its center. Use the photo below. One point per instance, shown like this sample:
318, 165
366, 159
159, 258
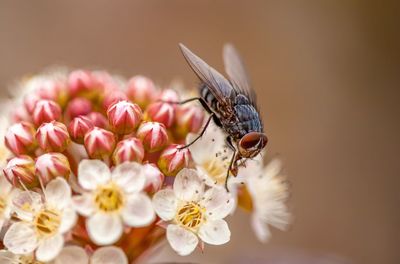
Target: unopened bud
52, 89
98, 119
169, 95
78, 128
154, 178
124, 117
53, 137
113, 97
78, 106
161, 112
153, 135
188, 119
46, 111
20, 138
52, 165
173, 159
99, 143
141, 90
84, 84
20, 171
130, 149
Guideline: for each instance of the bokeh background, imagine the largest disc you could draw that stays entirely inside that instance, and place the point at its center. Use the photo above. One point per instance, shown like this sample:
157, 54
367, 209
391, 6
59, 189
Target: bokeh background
327, 76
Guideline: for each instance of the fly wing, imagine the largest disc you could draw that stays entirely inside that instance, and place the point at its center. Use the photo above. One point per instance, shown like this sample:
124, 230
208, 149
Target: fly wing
218, 84
237, 72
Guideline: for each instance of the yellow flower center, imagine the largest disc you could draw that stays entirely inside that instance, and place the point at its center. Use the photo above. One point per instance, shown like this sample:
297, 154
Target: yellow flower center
109, 198
190, 215
47, 222
216, 170
28, 259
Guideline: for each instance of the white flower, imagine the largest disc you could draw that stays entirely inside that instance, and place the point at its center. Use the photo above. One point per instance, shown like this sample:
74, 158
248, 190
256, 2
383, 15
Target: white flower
211, 156
112, 199
7, 192
71, 254
43, 221
192, 212
4, 123
103, 255
268, 192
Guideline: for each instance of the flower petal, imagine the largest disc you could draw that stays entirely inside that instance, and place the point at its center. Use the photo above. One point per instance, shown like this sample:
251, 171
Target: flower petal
218, 203
104, 229
68, 220
138, 210
5, 185
260, 229
215, 232
83, 204
129, 176
72, 254
50, 248
109, 255
181, 240
20, 238
165, 204
188, 186
58, 193
26, 204
6, 257
93, 172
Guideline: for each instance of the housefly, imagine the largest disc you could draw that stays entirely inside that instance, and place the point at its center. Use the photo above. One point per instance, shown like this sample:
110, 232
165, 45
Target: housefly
231, 104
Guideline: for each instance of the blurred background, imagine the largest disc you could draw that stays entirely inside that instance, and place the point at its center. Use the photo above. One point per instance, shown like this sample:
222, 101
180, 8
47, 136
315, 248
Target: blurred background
327, 75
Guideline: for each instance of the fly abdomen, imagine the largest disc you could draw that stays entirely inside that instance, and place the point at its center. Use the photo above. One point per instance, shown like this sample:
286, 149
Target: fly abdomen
208, 96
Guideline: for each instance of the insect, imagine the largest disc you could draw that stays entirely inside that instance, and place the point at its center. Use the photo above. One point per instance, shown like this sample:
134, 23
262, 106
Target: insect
231, 105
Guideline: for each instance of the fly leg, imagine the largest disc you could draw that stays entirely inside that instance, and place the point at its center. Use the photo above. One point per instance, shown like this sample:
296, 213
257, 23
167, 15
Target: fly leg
232, 165
201, 133
200, 99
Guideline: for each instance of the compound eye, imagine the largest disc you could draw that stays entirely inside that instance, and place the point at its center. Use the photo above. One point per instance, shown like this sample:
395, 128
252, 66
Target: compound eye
253, 140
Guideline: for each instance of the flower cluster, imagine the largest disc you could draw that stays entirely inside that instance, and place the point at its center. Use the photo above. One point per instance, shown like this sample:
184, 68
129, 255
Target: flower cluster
96, 169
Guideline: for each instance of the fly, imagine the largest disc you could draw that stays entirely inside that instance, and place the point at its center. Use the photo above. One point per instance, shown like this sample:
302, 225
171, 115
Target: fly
231, 105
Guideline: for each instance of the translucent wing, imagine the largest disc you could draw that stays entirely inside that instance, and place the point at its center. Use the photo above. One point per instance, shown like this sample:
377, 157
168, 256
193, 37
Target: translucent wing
218, 84
237, 72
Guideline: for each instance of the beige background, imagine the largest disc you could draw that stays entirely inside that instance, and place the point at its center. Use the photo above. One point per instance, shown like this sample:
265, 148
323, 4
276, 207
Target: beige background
327, 76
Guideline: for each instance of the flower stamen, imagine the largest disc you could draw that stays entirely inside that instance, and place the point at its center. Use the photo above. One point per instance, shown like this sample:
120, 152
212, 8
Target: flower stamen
109, 198
190, 215
47, 222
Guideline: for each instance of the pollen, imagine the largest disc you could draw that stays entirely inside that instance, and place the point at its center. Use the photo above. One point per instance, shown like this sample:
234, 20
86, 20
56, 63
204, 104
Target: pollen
47, 222
190, 215
28, 259
109, 198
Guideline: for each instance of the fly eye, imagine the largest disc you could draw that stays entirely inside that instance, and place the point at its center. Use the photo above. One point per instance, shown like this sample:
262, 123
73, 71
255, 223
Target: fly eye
253, 140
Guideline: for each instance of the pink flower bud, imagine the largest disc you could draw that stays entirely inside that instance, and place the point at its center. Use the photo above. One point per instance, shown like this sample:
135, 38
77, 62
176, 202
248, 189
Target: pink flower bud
130, 149
161, 112
169, 95
124, 117
20, 138
20, 114
154, 178
188, 119
52, 165
54, 90
84, 83
99, 143
78, 128
141, 90
21, 169
173, 159
113, 97
153, 135
30, 101
78, 106
46, 111
98, 119
53, 136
